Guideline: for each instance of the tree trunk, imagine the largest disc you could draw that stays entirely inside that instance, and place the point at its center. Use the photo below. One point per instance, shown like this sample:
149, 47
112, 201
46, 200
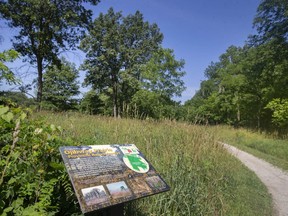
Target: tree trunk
238, 115
115, 100
39, 81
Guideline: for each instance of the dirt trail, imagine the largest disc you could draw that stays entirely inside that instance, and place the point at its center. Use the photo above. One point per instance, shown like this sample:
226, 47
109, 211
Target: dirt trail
275, 179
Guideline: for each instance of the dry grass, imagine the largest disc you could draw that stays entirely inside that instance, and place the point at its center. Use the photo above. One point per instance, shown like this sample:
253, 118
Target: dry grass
204, 179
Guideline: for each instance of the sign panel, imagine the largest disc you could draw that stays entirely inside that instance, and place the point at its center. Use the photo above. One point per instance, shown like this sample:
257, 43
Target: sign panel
106, 175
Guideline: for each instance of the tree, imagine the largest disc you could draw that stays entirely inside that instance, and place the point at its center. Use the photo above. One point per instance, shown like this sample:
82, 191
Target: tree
162, 74
45, 29
153, 105
271, 20
219, 98
248, 85
116, 47
91, 103
5, 73
61, 86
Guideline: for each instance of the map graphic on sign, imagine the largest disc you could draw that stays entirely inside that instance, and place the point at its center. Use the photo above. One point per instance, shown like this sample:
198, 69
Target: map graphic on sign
107, 175
136, 163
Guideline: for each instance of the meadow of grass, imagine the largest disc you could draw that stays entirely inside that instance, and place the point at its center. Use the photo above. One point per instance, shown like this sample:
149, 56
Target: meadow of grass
274, 151
204, 178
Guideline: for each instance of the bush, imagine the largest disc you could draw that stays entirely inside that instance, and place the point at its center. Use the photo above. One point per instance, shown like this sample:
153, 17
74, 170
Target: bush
33, 180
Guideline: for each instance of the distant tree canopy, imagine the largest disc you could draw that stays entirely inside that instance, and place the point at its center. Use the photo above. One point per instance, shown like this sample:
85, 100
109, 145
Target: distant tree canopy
45, 29
19, 98
124, 55
248, 86
92, 104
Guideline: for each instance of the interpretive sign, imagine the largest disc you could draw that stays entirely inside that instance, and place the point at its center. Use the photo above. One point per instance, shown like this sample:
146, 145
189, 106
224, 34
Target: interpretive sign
106, 175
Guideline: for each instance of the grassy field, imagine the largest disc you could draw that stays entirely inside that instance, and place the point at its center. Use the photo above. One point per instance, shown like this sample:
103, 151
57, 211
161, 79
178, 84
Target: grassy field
272, 150
204, 178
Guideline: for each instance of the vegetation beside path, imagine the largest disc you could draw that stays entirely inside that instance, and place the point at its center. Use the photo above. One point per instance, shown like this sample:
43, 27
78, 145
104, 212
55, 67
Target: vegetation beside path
274, 151
204, 179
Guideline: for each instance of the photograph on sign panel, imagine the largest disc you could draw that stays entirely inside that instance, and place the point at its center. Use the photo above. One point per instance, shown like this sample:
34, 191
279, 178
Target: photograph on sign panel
94, 195
155, 182
138, 186
119, 190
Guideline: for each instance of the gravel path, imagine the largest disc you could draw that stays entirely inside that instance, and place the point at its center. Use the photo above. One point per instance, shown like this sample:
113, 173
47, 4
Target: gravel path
274, 178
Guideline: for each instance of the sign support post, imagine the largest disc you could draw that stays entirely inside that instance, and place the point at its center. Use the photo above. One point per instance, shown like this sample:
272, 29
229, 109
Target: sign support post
110, 211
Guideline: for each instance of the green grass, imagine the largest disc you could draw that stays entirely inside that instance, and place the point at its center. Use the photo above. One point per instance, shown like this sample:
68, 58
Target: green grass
204, 178
274, 151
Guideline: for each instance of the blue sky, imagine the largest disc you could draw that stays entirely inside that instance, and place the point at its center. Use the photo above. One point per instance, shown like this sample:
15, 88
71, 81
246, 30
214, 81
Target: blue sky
198, 31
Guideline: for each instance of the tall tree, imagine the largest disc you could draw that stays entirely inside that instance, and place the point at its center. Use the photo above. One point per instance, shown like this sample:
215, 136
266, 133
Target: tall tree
116, 47
45, 29
61, 86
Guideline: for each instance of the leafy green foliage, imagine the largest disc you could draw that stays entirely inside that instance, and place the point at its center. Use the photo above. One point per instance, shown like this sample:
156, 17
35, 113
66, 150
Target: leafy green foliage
61, 86
149, 104
162, 74
32, 175
280, 111
271, 20
5, 73
92, 104
219, 99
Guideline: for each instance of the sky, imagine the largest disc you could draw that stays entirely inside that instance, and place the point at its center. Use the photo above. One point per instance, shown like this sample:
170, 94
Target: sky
198, 31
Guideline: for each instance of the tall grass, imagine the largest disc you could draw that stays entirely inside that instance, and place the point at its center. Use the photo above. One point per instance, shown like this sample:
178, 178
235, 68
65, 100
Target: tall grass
204, 178
270, 149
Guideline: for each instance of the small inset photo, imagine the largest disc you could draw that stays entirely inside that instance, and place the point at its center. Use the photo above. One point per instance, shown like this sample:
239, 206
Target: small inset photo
155, 182
94, 195
119, 190
139, 186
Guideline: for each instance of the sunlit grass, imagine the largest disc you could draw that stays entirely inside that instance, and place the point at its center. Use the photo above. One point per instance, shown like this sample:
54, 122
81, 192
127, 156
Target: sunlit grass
272, 150
204, 178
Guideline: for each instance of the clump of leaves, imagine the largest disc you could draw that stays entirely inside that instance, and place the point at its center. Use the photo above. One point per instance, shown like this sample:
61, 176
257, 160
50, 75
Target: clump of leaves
33, 180
280, 112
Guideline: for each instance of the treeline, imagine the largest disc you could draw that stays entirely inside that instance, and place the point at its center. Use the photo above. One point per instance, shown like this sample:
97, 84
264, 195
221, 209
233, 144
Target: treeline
128, 71
248, 86
130, 74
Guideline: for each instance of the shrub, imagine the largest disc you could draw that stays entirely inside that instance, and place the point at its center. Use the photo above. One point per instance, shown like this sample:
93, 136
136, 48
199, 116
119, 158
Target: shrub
33, 180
